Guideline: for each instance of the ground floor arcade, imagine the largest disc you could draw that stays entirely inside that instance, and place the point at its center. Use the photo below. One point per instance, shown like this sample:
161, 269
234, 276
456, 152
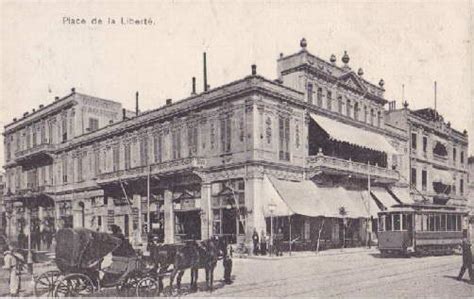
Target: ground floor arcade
190, 206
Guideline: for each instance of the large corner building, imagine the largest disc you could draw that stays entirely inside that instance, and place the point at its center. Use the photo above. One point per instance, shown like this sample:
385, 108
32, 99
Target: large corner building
315, 152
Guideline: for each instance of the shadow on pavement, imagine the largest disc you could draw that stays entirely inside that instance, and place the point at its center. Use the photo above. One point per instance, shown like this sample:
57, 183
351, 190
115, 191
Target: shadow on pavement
461, 280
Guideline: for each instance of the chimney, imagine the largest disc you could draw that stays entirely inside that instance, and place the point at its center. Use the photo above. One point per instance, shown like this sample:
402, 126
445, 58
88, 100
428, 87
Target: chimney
136, 103
194, 86
254, 70
124, 114
169, 101
205, 72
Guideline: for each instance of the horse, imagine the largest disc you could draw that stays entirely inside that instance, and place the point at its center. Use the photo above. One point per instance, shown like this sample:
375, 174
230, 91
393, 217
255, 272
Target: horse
162, 256
197, 255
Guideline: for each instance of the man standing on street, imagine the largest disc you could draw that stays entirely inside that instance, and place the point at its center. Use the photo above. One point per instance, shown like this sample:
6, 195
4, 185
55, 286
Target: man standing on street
466, 258
255, 241
13, 263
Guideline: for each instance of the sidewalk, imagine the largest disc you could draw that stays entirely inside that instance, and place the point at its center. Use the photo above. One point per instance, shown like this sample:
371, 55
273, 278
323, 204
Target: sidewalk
328, 252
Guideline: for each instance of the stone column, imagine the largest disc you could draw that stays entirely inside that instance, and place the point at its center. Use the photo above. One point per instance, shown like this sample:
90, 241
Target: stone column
253, 202
169, 217
206, 211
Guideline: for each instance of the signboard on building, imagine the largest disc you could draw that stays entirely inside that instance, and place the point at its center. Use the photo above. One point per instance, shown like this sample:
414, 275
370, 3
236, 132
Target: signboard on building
110, 218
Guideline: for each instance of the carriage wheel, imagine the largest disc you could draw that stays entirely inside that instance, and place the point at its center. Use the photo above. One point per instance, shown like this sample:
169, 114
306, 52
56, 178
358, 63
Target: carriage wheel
74, 285
147, 287
128, 285
45, 283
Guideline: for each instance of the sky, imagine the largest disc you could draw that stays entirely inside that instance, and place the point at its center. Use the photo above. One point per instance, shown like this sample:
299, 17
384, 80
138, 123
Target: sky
410, 43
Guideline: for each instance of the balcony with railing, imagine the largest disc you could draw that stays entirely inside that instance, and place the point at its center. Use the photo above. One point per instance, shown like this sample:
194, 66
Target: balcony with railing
39, 153
163, 168
328, 164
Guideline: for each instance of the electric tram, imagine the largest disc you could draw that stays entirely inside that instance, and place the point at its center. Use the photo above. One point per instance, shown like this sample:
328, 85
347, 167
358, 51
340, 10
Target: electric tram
420, 229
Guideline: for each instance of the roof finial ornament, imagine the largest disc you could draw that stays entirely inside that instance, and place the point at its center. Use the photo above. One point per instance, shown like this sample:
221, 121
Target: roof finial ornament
333, 59
303, 43
381, 83
345, 58
405, 104
360, 72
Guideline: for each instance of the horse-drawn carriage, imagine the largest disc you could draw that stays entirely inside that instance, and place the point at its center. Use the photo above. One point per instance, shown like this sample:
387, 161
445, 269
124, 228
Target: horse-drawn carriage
79, 255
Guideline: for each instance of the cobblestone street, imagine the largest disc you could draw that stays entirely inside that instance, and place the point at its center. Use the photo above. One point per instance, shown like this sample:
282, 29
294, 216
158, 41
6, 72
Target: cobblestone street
332, 274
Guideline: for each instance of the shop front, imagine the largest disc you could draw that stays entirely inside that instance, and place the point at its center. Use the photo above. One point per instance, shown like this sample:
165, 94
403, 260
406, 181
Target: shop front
187, 212
228, 210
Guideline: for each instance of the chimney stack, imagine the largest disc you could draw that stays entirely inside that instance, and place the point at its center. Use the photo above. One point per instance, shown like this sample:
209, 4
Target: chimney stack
124, 114
205, 72
254, 70
169, 101
194, 86
136, 103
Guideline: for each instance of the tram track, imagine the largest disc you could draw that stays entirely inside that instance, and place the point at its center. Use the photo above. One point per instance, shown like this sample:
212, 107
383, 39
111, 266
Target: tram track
305, 277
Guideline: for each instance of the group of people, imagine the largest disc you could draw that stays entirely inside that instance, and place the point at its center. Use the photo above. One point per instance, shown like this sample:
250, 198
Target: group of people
40, 239
264, 243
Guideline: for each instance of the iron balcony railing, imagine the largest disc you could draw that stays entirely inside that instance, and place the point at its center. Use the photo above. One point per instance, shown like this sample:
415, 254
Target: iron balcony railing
321, 162
38, 149
157, 168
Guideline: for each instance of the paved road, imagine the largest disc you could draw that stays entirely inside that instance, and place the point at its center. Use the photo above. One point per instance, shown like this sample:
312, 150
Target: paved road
360, 274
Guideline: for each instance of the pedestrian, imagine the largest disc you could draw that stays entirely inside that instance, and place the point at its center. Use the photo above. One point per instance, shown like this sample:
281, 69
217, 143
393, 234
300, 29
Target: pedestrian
255, 241
466, 258
227, 263
21, 239
278, 240
13, 263
263, 243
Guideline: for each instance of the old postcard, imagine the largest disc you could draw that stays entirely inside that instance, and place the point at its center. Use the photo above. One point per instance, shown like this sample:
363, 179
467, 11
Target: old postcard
236, 148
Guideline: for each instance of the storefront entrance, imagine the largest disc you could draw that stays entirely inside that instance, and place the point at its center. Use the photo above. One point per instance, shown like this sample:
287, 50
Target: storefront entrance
187, 225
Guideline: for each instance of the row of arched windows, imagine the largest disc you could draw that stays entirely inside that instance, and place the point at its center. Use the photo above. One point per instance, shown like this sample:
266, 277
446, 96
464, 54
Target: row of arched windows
353, 110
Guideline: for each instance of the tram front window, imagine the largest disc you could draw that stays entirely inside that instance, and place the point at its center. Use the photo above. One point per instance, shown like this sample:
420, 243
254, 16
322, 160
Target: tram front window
388, 223
396, 222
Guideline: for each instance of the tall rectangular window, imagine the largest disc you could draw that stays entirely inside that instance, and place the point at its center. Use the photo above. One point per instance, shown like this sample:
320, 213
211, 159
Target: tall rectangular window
413, 141
320, 97
329, 99
127, 156
310, 92
413, 177
425, 143
97, 162
8, 145
454, 154
226, 133
34, 135
50, 132
115, 158
192, 140
284, 138
80, 162
93, 124
339, 104
64, 128
176, 143
28, 138
65, 169
461, 158
144, 151
157, 145
461, 186
423, 180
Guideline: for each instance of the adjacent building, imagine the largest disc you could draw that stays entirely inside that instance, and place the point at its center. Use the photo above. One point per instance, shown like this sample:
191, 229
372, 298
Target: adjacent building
311, 155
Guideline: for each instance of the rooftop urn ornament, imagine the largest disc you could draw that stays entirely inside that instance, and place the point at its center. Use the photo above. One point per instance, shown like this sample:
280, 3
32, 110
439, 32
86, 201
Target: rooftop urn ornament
303, 43
405, 104
381, 83
360, 72
333, 59
345, 58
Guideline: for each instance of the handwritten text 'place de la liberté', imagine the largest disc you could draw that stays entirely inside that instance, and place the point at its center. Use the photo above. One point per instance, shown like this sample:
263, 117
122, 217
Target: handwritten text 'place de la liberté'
107, 21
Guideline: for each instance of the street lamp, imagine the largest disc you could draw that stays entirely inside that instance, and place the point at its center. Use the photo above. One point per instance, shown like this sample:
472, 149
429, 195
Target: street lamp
271, 208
